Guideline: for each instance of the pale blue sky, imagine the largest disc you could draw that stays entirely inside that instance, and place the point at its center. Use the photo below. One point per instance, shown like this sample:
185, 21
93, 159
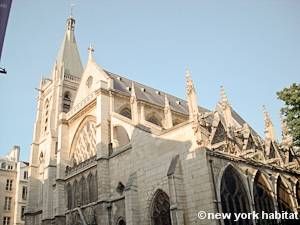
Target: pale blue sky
252, 47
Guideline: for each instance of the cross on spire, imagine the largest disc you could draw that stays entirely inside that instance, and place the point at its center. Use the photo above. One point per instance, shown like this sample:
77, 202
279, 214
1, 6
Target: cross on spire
72, 5
91, 50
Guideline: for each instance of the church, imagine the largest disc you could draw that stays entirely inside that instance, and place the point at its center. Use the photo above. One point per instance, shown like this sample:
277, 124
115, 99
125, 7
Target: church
107, 150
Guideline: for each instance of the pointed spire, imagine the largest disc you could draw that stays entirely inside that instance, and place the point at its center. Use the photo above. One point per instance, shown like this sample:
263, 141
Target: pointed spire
191, 96
269, 128
225, 108
168, 121
68, 54
287, 139
134, 105
223, 97
133, 95
90, 52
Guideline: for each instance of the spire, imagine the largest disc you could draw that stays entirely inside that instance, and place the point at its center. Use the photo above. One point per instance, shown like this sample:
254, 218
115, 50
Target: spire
269, 128
168, 121
91, 50
287, 139
225, 107
134, 105
223, 97
68, 55
191, 96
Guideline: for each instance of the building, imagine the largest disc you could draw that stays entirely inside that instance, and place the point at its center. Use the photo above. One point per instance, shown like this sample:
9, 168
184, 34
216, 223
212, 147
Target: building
13, 186
110, 151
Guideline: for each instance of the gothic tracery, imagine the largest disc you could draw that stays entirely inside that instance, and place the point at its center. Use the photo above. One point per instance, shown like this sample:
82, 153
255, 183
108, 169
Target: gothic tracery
84, 145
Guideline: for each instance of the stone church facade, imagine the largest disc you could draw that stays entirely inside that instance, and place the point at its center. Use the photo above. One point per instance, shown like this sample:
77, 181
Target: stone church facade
110, 151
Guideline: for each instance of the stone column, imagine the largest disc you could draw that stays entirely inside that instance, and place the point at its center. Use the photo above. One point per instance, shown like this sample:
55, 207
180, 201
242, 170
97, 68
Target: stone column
102, 140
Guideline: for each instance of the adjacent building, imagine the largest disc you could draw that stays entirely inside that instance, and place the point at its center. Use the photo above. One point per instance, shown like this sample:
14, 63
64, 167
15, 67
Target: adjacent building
13, 188
108, 150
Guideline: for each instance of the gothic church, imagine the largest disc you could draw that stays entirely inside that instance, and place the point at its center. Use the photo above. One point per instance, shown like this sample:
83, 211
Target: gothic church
107, 150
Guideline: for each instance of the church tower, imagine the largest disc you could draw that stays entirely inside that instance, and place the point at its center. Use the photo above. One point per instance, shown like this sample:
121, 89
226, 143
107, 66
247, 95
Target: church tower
56, 96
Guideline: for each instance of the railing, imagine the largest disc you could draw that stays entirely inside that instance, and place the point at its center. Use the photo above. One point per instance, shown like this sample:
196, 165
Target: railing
72, 78
81, 105
80, 166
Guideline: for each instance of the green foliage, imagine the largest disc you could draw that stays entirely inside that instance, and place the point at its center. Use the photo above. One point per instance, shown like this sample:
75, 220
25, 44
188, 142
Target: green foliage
291, 97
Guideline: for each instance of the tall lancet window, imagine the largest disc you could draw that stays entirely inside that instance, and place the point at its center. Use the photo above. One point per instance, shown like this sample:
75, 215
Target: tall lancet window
263, 199
66, 102
46, 116
234, 196
160, 209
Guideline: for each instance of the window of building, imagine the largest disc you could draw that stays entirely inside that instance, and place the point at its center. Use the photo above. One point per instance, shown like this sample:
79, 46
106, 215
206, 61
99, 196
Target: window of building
25, 175
9, 167
24, 193
6, 220
3, 165
126, 112
46, 108
7, 203
8, 186
22, 213
153, 118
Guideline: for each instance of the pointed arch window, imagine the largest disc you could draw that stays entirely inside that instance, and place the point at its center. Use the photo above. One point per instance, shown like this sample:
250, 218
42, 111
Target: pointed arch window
126, 112
46, 115
263, 199
234, 196
84, 142
92, 187
283, 197
69, 196
153, 118
160, 209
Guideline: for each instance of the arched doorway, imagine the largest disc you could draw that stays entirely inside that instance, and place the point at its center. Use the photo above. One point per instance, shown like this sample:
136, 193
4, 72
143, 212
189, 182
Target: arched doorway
263, 200
234, 196
160, 209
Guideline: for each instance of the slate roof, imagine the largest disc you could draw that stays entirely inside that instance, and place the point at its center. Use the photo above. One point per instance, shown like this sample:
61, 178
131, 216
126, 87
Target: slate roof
148, 94
157, 97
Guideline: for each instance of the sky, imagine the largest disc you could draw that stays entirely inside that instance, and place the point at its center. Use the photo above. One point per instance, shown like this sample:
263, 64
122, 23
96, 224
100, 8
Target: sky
251, 47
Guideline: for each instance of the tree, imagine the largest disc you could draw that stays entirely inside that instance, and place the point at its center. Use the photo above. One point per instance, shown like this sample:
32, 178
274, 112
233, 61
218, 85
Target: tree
291, 111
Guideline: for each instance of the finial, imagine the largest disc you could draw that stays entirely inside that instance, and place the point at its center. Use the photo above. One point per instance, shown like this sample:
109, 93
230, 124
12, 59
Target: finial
187, 73
284, 127
269, 128
167, 103
133, 96
91, 50
266, 114
71, 20
223, 96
